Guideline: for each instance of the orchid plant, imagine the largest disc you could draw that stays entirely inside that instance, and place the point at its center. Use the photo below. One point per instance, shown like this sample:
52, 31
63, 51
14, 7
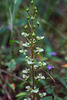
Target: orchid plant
29, 73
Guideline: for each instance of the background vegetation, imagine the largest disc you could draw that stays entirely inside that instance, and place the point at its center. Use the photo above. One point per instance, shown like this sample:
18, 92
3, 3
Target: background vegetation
53, 18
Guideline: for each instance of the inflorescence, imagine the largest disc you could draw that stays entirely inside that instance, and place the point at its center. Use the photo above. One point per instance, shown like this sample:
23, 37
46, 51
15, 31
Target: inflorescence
30, 44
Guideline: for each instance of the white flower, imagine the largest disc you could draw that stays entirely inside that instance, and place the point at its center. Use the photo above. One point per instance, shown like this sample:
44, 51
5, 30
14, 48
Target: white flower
27, 98
26, 71
28, 88
41, 63
35, 90
42, 94
23, 51
34, 87
40, 37
20, 51
33, 40
30, 62
40, 76
26, 44
36, 66
24, 34
25, 76
27, 57
38, 50
44, 63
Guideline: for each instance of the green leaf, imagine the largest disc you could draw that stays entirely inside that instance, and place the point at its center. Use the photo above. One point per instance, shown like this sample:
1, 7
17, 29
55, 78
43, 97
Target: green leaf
49, 91
47, 98
16, 7
12, 41
42, 82
10, 85
57, 98
3, 29
21, 94
12, 63
20, 98
17, 42
5, 39
63, 83
22, 84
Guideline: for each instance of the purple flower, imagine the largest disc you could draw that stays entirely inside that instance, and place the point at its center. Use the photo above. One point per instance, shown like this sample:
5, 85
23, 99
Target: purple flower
53, 53
50, 67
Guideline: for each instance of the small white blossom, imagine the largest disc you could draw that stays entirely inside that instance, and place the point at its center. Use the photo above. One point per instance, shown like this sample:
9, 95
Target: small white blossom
29, 60
36, 66
27, 57
38, 50
23, 51
40, 76
24, 34
28, 88
26, 71
33, 40
27, 98
25, 76
34, 87
35, 90
40, 37
26, 44
44, 63
41, 63
42, 94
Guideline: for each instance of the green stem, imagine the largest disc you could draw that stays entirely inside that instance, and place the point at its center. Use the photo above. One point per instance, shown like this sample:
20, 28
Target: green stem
32, 64
29, 14
35, 28
29, 23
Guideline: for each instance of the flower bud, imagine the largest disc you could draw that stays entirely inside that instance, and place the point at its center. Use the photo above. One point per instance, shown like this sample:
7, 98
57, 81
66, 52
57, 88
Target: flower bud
32, 18
28, 17
35, 7
32, 2
26, 27
38, 23
33, 34
34, 26
36, 11
27, 9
